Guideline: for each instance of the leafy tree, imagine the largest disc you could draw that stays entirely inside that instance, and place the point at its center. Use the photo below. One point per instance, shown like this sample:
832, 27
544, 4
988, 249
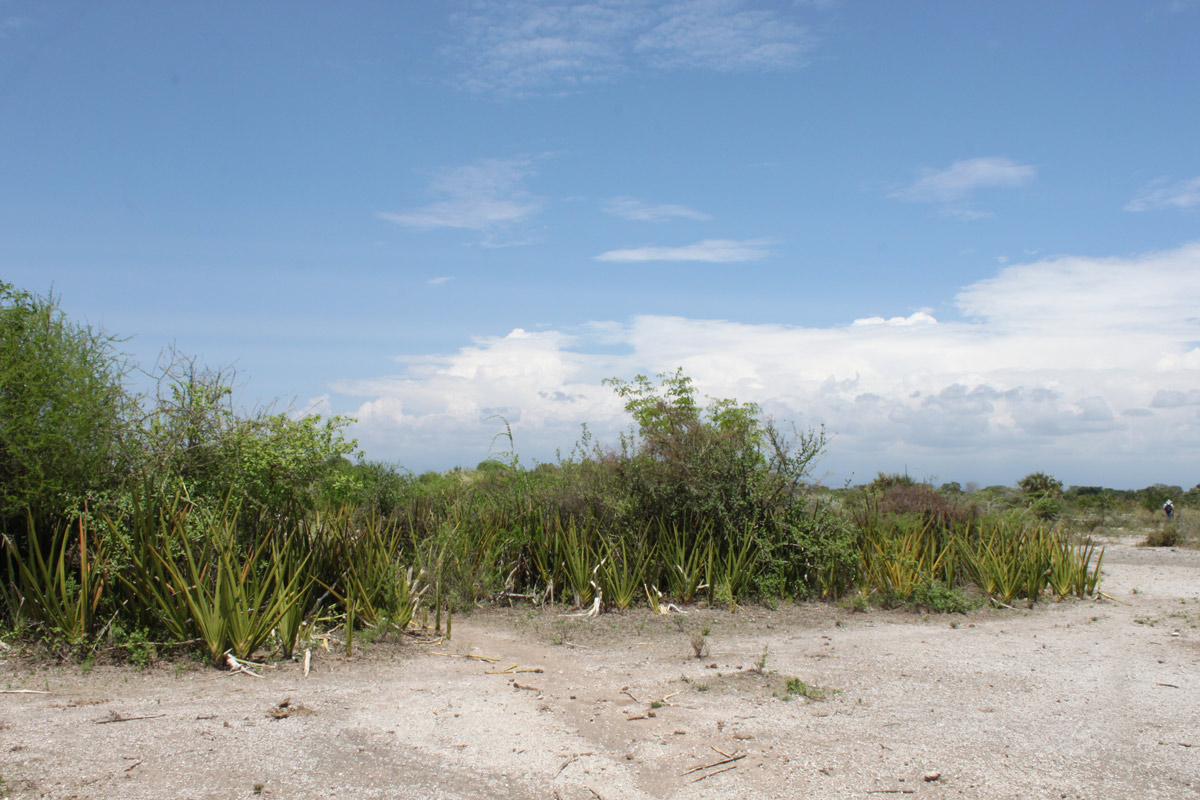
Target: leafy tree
720, 467
1152, 497
1044, 494
719, 463
273, 464
64, 412
1039, 484
885, 480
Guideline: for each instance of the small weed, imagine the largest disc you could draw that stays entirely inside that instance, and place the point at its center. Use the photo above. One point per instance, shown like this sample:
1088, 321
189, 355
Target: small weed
699, 645
655, 704
796, 687
705, 631
701, 687
258, 788
760, 666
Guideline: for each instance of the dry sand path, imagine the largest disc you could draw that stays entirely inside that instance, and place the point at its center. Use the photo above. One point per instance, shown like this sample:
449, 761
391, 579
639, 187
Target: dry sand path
1071, 700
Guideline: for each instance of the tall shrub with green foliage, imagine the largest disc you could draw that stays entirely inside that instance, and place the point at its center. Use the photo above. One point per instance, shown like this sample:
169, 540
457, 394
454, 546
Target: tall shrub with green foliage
64, 412
718, 467
271, 464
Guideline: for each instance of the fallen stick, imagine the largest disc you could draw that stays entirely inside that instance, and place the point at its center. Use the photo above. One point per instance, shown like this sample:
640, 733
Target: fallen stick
631, 697
1110, 597
307, 660
718, 772
716, 763
115, 717
488, 659
572, 760
892, 791
512, 670
23, 691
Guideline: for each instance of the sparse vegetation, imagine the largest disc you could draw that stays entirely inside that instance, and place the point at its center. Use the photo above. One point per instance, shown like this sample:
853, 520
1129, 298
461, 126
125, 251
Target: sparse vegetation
179, 518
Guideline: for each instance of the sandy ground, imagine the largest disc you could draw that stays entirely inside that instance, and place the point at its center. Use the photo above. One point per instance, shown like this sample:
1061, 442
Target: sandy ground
1069, 700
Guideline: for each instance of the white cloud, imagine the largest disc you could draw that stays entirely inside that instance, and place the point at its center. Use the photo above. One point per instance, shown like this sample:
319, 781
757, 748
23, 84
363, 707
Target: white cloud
1161, 193
526, 46
440, 280
716, 251
952, 186
633, 209
486, 195
723, 35
1084, 367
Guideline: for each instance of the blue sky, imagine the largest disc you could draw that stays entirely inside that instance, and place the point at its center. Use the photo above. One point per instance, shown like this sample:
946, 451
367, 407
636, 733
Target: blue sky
964, 237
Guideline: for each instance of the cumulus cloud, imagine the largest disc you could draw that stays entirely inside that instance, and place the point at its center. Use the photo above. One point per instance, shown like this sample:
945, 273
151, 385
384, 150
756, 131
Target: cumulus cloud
633, 209
952, 187
523, 47
1162, 193
1084, 367
715, 251
484, 196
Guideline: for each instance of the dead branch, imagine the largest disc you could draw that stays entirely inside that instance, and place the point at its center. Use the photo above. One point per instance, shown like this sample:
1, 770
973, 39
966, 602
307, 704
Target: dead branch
115, 717
738, 757
718, 772
488, 659
891, 791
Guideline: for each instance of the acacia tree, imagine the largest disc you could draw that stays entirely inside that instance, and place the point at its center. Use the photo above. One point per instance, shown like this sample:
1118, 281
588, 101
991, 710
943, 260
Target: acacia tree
64, 412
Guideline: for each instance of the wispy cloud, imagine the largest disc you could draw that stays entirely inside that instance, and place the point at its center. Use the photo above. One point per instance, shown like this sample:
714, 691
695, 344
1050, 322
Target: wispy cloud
483, 196
525, 46
723, 35
440, 280
717, 251
634, 209
1162, 193
1084, 367
951, 187
12, 24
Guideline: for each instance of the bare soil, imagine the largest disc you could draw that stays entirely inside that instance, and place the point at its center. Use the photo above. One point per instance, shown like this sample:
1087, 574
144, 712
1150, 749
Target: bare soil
1081, 699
